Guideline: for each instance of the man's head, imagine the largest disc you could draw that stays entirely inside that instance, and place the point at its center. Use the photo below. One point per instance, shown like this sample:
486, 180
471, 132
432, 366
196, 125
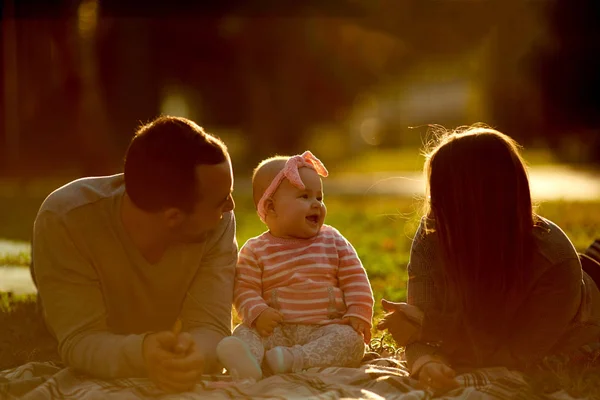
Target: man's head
177, 171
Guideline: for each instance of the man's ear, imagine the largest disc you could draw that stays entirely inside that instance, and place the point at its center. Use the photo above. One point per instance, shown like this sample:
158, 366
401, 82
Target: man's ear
173, 217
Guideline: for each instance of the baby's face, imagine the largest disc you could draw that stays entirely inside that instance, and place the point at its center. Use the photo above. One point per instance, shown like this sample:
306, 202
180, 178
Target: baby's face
299, 213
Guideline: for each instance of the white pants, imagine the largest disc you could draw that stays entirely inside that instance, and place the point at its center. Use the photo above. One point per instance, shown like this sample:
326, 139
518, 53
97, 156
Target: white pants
311, 345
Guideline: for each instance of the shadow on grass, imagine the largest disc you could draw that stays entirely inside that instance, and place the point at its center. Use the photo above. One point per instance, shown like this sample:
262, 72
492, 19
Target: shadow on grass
579, 378
23, 335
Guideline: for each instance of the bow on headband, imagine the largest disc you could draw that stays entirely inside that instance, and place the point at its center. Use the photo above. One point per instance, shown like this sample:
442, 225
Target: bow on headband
290, 171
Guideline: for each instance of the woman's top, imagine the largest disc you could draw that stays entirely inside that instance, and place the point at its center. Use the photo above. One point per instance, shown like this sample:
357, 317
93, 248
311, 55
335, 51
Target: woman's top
559, 313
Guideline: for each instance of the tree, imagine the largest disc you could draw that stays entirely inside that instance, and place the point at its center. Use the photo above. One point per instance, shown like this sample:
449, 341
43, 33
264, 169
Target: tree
567, 71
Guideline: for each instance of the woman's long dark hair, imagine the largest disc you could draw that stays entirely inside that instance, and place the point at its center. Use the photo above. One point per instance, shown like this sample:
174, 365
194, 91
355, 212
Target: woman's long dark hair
479, 205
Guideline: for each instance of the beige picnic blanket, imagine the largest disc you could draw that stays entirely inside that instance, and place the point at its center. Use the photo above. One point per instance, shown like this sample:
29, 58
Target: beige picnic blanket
375, 380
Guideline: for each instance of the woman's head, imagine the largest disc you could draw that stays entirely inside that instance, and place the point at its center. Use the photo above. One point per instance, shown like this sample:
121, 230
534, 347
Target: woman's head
477, 173
288, 194
479, 206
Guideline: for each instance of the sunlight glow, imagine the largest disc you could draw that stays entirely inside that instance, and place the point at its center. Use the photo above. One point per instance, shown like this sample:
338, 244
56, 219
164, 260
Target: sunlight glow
87, 15
370, 131
174, 103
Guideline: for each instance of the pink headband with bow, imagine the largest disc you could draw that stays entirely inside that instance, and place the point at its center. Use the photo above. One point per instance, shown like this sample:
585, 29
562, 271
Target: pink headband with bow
290, 171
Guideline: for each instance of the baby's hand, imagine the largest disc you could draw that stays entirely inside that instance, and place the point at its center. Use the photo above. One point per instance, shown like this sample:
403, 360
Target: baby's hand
359, 326
267, 321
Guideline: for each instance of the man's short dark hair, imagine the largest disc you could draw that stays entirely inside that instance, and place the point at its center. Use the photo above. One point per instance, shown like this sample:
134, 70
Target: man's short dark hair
161, 160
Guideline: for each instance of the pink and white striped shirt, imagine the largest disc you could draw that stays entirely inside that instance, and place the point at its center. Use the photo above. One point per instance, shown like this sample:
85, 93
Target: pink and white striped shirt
311, 281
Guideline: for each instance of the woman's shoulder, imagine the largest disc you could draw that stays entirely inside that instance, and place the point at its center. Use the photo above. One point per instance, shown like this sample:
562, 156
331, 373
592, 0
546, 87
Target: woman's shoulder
552, 242
425, 238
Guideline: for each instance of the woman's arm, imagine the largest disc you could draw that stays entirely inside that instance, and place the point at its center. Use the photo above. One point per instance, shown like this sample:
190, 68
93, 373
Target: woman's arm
420, 293
546, 316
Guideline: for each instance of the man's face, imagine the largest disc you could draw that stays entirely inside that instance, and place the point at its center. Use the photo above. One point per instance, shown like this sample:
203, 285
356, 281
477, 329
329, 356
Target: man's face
215, 185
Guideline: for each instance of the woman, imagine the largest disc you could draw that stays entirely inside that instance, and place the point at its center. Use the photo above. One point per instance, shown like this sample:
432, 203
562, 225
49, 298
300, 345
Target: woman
490, 282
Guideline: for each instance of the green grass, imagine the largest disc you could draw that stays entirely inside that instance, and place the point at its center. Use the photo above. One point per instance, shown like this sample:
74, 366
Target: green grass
23, 336
380, 228
15, 259
18, 214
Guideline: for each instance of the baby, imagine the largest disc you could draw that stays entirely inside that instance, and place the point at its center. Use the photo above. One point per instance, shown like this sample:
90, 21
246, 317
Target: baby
301, 290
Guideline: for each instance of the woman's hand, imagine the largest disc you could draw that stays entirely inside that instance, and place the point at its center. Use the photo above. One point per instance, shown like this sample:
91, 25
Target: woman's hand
403, 322
438, 377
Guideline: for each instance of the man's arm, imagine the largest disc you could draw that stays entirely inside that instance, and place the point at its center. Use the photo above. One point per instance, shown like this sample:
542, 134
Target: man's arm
73, 305
206, 310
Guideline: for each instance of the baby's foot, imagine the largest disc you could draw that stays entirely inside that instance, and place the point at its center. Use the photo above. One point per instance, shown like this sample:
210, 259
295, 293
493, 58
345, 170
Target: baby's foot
280, 359
236, 357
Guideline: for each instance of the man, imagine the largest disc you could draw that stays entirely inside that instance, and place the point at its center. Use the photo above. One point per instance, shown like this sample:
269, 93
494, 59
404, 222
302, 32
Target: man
118, 259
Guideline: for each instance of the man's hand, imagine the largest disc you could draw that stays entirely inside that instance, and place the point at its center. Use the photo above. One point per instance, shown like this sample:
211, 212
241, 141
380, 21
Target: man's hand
359, 326
438, 377
267, 321
403, 322
189, 365
172, 361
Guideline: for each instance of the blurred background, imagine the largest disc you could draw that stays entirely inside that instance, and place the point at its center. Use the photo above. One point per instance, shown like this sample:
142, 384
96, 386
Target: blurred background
342, 77
358, 82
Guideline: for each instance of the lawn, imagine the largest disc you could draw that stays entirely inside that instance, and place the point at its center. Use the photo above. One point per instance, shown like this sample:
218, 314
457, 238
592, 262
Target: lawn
380, 228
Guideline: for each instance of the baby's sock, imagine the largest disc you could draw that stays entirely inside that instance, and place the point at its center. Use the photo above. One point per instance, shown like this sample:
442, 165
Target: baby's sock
280, 359
235, 355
